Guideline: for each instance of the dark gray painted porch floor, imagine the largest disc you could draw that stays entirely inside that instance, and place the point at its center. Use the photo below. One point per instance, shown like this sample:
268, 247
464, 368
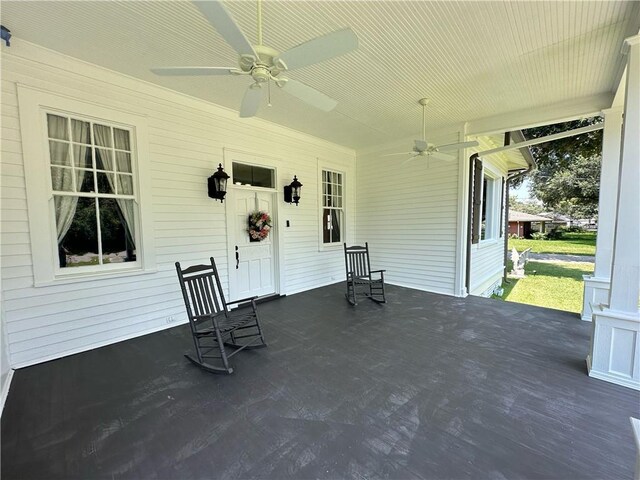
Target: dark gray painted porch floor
427, 386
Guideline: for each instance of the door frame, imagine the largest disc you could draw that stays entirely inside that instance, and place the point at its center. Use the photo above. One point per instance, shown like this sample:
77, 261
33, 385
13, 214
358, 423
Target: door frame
259, 160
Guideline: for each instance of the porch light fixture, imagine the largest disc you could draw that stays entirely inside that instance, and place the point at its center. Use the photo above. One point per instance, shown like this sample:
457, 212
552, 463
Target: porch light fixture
218, 184
292, 191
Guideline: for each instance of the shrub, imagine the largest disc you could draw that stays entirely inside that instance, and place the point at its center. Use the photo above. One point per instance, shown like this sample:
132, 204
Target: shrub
539, 236
556, 233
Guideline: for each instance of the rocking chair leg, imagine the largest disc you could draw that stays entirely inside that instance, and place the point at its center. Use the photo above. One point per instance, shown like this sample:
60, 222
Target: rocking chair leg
223, 354
351, 294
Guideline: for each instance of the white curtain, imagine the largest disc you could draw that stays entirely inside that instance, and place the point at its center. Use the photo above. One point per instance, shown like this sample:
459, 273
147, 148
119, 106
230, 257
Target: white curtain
102, 135
62, 178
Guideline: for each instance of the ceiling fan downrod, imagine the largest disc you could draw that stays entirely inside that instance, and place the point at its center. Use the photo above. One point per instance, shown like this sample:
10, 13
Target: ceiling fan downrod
259, 6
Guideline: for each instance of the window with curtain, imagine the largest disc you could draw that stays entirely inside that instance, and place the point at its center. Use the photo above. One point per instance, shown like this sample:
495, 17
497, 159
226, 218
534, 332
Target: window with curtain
92, 179
332, 207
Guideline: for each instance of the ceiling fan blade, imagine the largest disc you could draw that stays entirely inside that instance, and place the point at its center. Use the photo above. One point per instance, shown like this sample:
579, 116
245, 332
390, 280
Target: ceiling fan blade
319, 49
412, 157
457, 146
309, 95
421, 145
396, 154
219, 17
251, 101
168, 71
443, 156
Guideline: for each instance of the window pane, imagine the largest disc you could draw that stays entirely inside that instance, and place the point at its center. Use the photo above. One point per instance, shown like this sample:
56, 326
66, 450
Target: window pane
59, 153
57, 127
61, 179
80, 131
102, 135
105, 182
125, 184
123, 161
336, 216
82, 156
104, 159
117, 246
121, 138
85, 180
79, 244
252, 175
326, 225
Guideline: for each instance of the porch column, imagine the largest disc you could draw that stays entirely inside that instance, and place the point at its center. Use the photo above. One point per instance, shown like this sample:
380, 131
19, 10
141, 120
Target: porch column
615, 338
596, 286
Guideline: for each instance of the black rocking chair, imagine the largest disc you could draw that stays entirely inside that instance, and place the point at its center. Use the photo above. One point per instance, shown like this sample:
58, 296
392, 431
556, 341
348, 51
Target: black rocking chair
213, 325
359, 273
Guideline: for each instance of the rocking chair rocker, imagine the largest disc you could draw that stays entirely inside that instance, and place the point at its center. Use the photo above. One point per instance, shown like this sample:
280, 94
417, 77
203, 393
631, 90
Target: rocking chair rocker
213, 325
359, 273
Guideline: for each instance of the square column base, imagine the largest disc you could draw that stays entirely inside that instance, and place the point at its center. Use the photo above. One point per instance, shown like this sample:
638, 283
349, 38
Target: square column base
615, 347
596, 293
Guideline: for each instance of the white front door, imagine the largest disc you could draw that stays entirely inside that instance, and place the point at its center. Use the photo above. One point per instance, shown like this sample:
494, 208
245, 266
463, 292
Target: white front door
251, 264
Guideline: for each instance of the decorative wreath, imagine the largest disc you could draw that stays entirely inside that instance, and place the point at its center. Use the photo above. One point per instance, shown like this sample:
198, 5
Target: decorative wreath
259, 225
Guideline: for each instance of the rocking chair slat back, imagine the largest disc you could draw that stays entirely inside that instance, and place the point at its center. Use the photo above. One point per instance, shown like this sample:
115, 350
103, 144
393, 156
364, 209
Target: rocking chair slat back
357, 260
202, 291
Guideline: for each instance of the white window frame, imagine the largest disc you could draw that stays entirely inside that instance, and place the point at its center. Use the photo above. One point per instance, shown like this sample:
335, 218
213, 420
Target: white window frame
343, 234
33, 106
492, 228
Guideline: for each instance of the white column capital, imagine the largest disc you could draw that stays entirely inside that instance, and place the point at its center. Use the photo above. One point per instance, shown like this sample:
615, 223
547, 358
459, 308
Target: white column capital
629, 42
612, 111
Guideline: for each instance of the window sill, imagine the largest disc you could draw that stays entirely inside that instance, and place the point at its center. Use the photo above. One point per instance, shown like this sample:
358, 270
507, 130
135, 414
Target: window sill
487, 243
328, 247
90, 276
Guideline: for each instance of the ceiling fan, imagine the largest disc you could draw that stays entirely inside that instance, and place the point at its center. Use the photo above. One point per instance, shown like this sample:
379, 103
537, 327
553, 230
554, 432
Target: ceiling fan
422, 148
264, 64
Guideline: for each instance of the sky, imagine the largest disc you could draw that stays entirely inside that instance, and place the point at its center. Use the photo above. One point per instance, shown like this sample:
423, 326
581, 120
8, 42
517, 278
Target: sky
522, 192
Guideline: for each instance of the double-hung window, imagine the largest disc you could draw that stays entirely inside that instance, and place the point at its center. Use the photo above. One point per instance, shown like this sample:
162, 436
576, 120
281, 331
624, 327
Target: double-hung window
332, 217
87, 213
92, 180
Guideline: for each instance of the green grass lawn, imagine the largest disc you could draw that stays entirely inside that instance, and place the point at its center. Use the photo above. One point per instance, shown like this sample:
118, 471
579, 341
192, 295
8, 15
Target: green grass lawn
571, 244
553, 285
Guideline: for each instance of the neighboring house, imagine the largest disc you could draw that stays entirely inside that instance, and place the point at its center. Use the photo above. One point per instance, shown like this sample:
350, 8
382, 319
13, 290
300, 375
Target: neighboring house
555, 220
93, 144
520, 224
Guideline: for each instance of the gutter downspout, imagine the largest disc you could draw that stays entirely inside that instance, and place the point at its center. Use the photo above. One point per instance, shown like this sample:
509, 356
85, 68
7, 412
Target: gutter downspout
467, 277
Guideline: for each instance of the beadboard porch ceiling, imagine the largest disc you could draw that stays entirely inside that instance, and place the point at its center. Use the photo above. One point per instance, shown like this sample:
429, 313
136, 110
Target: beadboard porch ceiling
473, 59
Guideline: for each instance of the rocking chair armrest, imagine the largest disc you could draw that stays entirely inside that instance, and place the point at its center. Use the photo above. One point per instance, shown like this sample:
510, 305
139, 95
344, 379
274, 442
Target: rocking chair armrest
209, 316
242, 300
378, 271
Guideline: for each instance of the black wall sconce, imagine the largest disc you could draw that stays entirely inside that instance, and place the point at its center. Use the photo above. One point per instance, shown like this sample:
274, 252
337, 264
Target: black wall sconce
218, 184
292, 192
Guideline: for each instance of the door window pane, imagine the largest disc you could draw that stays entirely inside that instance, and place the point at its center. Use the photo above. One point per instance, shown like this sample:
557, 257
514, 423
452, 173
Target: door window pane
252, 175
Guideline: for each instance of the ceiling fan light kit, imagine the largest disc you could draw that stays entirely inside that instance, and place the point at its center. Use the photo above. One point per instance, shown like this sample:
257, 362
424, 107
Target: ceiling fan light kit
265, 64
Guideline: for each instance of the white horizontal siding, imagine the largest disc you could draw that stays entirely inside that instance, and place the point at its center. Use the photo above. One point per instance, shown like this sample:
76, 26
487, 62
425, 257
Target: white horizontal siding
186, 141
408, 215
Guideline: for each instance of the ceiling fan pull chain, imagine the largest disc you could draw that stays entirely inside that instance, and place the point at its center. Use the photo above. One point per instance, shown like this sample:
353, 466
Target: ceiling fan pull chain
269, 93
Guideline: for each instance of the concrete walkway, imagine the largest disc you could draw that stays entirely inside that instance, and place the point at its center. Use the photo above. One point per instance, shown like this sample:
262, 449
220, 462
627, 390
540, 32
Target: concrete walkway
556, 257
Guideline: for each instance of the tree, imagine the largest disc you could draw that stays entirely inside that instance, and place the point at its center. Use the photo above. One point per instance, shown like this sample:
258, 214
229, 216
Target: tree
525, 207
567, 175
